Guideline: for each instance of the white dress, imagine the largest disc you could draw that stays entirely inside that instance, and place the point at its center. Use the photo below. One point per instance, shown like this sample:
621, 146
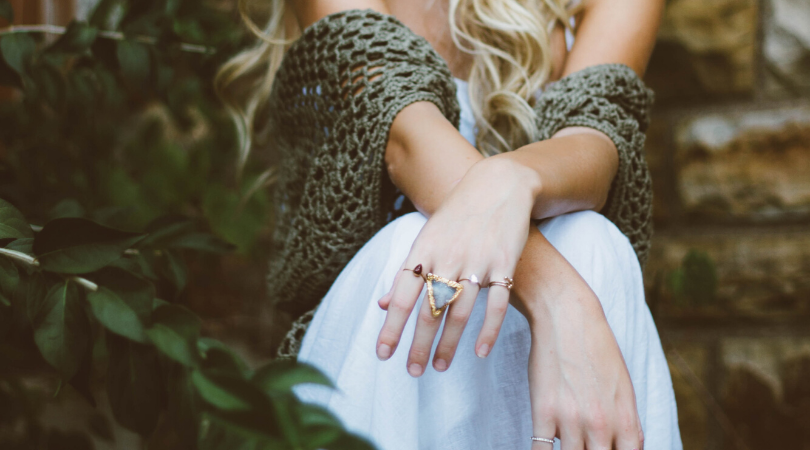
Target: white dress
477, 403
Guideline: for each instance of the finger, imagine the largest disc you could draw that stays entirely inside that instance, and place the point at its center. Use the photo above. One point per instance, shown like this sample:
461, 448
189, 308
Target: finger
497, 305
404, 296
600, 439
544, 426
457, 316
571, 439
629, 434
385, 300
426, 328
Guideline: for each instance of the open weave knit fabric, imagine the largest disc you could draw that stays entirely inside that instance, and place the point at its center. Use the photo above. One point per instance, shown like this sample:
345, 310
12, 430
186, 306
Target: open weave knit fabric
334, 98
333, 101
610, 98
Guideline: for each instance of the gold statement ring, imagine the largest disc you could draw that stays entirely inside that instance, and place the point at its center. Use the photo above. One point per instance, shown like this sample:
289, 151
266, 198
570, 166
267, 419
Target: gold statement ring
441, 291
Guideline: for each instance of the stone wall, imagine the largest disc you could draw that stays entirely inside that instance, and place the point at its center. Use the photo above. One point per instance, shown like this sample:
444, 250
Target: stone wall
729, 274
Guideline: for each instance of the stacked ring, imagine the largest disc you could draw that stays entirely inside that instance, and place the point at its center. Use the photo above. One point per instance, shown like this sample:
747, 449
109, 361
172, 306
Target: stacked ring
507, 283
450, 290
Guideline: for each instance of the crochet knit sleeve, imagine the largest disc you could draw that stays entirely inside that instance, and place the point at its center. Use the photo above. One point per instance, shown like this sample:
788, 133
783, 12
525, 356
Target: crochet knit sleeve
610, 98
335, 95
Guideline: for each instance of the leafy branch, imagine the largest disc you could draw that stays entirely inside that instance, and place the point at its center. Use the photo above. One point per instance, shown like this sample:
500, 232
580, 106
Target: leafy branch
114, 35
158, 363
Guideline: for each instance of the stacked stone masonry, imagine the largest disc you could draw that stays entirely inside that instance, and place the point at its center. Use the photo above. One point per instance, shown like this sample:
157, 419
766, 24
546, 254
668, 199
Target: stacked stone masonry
729, 149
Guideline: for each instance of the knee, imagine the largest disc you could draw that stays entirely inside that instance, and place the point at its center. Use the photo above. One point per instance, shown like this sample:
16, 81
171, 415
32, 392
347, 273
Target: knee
585, 231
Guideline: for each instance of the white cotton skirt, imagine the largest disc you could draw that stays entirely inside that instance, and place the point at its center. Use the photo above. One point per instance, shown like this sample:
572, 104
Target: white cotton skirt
477, 403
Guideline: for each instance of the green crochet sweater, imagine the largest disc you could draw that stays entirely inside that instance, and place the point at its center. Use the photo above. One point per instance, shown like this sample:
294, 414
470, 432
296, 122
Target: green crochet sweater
334, 98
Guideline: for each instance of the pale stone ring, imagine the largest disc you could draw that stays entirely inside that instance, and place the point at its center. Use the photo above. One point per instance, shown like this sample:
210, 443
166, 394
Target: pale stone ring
441, 291
473, 279
539, 439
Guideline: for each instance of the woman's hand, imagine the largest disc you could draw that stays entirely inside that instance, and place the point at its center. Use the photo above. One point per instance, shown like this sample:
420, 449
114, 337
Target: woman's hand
480, 229
580, 387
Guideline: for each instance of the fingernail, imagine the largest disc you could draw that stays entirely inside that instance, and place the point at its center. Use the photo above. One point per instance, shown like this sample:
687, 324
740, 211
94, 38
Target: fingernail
383, 352
440, 365
483, 351
415, 370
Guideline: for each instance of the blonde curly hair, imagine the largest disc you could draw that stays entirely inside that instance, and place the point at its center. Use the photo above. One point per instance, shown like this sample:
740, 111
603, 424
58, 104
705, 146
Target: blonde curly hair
509, 42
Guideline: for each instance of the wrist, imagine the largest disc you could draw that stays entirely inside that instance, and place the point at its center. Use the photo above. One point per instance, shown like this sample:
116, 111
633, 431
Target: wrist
505, 166
548, 288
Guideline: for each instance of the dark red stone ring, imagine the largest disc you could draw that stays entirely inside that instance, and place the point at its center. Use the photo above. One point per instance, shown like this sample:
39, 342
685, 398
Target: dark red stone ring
417, 271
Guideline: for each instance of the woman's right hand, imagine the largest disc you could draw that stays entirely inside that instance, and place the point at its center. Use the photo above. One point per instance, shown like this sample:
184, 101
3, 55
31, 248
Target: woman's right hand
579, 384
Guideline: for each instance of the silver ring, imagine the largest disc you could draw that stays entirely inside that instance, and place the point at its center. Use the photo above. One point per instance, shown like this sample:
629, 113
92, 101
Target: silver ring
473, 279
539, 439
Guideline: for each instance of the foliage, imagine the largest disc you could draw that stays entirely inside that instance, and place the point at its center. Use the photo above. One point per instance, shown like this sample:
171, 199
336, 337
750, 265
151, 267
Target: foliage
129, 129
695, 282
111, 127
76, 286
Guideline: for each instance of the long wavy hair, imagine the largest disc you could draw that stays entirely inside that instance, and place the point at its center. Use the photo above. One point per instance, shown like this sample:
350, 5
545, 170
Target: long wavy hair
509, 42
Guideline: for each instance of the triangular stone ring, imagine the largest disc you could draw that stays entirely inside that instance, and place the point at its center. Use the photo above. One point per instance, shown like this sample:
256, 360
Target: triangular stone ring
441, 293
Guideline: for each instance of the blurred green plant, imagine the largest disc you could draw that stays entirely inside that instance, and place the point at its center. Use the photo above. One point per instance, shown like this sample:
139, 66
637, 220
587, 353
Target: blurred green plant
119, 114
84, 296
695, 281
112, 124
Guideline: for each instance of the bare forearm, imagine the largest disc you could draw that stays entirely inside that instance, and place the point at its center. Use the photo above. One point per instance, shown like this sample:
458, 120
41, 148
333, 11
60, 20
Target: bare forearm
575, 169
428, 163
426, 157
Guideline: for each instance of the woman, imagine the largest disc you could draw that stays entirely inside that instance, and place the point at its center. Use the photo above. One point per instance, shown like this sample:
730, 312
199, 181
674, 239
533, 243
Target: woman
580, 366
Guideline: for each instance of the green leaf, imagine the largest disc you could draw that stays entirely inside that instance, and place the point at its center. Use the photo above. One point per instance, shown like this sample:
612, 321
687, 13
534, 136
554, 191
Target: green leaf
78, 38
221, 357
236, 221
166, 228
172, 267
239, 402
174, 332
12, 222
35, 288
220, 433
9, 281
202, 242
23, 245
134, 291
69, 207
349, 442
134, 384
103, 12
61, 329
6, 11
82, 380
184, 404
18, 51
282, 375
133, 57
115, 314
49, 84
320, 428
74, 245
217, 390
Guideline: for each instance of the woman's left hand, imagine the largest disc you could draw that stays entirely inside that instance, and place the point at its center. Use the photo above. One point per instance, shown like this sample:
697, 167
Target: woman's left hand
480, 229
